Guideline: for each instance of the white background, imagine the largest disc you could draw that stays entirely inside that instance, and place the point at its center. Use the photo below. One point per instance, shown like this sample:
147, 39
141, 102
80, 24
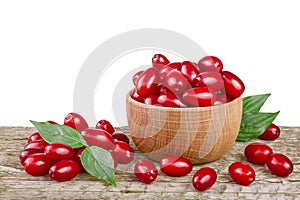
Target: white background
43, 45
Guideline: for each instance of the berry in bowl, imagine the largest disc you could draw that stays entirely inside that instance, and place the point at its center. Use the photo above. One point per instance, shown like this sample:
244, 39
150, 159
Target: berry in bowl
185, 109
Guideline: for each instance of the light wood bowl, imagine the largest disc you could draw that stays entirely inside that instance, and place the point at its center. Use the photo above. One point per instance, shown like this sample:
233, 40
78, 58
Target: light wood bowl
200, 134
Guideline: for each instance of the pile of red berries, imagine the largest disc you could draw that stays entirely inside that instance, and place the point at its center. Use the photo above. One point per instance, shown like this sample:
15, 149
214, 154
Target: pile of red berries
260, 154
175, 166
241, 172
186, 84
62, 162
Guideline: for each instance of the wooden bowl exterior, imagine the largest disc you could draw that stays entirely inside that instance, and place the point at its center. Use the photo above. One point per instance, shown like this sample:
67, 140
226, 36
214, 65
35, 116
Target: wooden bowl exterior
200, 134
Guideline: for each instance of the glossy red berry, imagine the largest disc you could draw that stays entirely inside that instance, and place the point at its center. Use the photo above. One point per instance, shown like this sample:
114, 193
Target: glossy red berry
64, 170
204, 178
163, 89
57, 151
167, 68
258, 153
189, 70
175, 166
136, 77
124, 152
210, 79
76, 150
98, 137
26, 153
234, 86
105, 125
37, 165
51, 122
176, 82
280, 165
120, 136
175, 65
159, 60
158, 90
145, 171
164, 71
210, 63
76, 121
221, 99
134, 95
151, 100
199, 96
272, 133
241, 173
78, 161
37, 144
148, 82
168, 99
34, 136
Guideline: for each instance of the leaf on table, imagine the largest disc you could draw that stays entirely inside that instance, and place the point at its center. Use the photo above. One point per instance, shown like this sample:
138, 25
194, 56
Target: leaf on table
99, 163
254, 124
56, 133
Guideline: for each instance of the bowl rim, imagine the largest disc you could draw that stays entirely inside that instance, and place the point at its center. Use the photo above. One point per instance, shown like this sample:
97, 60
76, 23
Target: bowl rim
128, 98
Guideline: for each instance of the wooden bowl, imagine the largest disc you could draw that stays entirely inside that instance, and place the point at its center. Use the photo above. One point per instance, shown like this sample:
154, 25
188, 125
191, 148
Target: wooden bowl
200, 134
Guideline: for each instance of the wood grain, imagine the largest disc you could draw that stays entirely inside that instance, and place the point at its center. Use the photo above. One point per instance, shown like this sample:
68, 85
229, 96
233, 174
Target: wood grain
200, 134
16, 184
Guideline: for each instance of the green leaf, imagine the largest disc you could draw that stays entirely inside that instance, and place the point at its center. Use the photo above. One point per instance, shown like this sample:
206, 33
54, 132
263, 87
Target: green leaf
254, 103
99, 163
254, 124
56, 133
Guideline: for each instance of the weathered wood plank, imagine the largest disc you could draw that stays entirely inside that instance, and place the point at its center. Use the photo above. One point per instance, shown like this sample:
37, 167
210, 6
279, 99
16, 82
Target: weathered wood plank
16, 184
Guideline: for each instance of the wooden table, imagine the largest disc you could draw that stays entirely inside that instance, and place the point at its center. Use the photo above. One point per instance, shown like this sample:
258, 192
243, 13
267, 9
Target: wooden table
16, 184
